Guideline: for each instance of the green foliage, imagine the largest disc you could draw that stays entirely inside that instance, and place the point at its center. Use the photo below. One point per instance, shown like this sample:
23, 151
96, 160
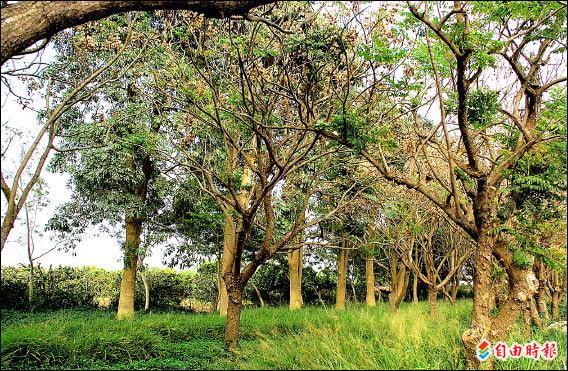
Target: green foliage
381, 52
482, 107
351, 128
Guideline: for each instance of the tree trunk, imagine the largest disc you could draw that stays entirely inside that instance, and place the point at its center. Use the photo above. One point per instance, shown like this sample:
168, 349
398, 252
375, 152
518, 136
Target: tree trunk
482, 297
414, 288
295, 272
454, 293
341, 276
534, 314
234, 307
370, 275
229, 246
398, 289
555, 300
432, 298
541, 293
146, 290
7, 225
128, 284
522, 286
258, 294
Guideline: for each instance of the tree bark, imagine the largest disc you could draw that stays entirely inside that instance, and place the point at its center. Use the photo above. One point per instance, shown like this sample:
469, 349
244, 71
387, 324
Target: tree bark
341, 276
522, 286
25, 23
555, 300
146, 290
295, 272
229, 249
257, 291
128, 284
370, 275
7, 225
541, 293
414, 289
400, 278
432, 298
235, 302
482, 296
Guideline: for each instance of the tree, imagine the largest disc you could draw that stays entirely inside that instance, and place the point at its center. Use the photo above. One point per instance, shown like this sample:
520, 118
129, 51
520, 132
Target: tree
122, 134
236, 109
57, 106
26, 23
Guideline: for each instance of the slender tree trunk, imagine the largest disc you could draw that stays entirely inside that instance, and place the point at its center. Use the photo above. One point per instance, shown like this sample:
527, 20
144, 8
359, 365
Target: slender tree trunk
234, 307
555, 300
128, 284
541, 293
370, 275
454, 293
341, 276
414, 288
30, 259
229, 246
295, 272
432, 298
146, 290
534, 314
257, 291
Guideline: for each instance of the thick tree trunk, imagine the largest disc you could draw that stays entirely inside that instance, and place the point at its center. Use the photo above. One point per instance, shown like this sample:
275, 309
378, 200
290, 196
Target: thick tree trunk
235, 303
128, 284
25, 23
341, 276
522, 286
482, 297
295, 272
370, 275
432, 298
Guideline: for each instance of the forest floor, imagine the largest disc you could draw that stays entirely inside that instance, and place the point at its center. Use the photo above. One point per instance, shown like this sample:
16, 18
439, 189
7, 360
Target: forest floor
271, 338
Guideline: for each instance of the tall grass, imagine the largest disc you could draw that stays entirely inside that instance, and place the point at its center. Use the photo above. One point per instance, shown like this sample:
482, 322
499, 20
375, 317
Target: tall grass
271, 338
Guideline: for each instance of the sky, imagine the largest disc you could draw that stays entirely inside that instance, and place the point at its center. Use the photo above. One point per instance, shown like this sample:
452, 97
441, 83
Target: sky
100, 250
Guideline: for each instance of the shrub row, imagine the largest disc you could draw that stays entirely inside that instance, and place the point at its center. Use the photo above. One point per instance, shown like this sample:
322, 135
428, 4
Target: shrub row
90, 287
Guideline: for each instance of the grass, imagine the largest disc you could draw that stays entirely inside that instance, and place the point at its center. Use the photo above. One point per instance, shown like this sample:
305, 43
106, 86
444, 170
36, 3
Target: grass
271, 338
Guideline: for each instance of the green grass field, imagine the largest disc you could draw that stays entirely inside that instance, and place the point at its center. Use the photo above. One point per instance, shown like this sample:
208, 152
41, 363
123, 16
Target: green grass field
271, 338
